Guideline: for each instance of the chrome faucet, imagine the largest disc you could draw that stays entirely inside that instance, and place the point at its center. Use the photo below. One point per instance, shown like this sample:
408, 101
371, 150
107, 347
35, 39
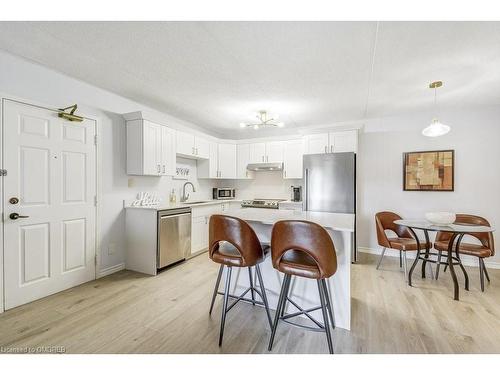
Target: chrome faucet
185, 196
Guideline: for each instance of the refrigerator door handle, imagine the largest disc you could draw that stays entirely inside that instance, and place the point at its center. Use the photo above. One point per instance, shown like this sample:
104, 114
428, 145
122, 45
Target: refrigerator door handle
306, 190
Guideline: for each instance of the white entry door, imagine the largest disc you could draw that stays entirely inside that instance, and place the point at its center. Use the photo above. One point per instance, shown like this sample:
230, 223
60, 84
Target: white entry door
49, 208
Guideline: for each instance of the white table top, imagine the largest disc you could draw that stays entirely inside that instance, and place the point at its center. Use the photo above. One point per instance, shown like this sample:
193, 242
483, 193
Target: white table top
329, 220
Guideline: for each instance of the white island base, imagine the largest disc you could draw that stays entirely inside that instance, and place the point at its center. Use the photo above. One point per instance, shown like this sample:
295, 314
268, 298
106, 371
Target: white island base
302, 291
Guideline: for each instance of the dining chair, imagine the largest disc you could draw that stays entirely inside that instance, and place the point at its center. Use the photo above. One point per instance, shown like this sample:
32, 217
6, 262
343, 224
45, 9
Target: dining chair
403, 242
233, 243
485, 249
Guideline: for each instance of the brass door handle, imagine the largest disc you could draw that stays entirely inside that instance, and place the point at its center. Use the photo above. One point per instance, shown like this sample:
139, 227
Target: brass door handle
15, 216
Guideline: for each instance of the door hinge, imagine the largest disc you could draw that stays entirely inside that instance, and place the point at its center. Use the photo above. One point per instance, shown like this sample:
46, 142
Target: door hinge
3, 172
95, 139
95, 200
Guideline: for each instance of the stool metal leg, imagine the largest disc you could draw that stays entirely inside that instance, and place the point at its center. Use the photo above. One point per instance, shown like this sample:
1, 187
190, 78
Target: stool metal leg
281, 302
216, 288
328, 302
381, 257
251, 285
405, 266
224, 307
400, 259
322, 298
264, 296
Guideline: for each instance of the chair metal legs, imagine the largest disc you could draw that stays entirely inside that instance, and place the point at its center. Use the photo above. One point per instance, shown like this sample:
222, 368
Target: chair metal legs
482, 273
281, 303
326, 310
405, 266
381, 257
224, 306
216, 289
227, 295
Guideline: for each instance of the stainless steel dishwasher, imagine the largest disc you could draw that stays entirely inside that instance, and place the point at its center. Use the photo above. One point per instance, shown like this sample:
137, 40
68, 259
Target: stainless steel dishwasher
174, 236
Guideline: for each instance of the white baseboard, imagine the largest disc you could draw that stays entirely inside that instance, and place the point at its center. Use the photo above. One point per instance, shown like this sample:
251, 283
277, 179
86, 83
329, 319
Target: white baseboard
467, 261
109, 270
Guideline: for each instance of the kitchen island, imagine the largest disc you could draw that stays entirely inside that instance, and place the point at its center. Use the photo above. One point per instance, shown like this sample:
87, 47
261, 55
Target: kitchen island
304, 291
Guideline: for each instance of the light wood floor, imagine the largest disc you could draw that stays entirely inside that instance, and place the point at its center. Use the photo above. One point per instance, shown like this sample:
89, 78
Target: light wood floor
132, 313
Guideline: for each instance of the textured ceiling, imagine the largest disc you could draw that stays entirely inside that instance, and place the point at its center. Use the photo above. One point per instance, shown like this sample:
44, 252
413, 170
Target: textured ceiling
218, 74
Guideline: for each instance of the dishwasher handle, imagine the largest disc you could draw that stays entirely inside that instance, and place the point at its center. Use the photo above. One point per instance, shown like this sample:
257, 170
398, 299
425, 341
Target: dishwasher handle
176, 215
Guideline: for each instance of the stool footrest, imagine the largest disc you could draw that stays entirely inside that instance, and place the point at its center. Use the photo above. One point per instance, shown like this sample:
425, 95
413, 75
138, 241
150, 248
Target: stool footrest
241, 297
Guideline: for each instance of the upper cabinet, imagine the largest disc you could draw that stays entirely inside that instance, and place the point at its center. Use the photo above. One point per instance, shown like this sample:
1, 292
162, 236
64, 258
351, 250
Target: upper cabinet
342, 141
222, 162
268, 152
191, 146
293, 152
242, 160
150, 149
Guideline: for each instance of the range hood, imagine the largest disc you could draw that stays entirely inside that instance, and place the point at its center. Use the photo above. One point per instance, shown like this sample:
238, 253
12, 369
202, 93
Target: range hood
265, 167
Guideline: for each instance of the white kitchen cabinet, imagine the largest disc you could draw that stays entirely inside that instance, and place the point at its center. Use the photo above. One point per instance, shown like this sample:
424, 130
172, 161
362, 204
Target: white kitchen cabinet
257, 152
201, 147
150, 149
274, 152
316, 143
199, 234
293, 152
341, 141
191, 146
227, 160
345, 141
242, 160
266, 152
221, 162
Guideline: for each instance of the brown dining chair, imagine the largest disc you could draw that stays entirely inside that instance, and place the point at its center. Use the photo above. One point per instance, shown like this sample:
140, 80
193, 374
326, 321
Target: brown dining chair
233, 243
403, 240
303, 249
485, 249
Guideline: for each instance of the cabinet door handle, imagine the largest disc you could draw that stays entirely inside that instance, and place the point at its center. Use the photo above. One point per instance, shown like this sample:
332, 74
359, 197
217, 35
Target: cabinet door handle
267, 158
331, 148
285, 173
163, 168
158, 168
326, 149
192, 150
196, 150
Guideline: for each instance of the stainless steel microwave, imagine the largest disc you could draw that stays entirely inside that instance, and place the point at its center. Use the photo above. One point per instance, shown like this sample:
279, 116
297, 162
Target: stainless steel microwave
223, 193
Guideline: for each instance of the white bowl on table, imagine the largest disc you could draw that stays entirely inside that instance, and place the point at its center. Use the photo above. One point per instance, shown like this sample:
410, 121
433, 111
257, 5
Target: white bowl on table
441, 218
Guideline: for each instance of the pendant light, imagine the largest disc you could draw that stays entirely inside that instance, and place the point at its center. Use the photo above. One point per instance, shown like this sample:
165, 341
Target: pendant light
436, 128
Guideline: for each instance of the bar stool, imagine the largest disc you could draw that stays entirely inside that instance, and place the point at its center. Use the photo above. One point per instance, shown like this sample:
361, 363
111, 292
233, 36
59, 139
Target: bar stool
233, 243
303, 249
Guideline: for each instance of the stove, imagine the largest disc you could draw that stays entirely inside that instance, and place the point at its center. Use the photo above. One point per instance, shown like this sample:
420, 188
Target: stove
262, 203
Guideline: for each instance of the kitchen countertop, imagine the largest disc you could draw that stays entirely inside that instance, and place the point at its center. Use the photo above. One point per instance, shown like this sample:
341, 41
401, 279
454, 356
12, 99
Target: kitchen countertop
173, 206
329, 220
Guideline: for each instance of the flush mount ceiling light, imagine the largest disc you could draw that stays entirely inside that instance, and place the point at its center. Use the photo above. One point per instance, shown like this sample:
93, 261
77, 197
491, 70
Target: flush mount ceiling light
263, 121
436, 128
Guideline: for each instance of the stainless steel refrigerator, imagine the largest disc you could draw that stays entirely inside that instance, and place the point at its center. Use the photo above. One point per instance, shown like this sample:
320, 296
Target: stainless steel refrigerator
330, 185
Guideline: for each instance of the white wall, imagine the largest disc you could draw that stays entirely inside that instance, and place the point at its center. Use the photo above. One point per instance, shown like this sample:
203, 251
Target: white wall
32, 82
475, 137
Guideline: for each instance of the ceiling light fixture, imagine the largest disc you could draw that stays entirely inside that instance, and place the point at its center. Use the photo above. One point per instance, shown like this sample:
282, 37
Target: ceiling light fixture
264, 120
436, 128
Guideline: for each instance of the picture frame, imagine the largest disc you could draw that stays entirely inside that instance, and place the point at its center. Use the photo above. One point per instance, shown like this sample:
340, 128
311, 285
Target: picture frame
429, 170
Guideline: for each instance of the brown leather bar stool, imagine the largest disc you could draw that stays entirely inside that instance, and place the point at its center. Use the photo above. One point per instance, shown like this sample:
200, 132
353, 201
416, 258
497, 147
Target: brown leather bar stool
484, 250
403, 241
233, 243
303, 249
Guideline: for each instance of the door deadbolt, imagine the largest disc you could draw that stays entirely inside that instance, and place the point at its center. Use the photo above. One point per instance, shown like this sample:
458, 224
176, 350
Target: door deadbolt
14, 200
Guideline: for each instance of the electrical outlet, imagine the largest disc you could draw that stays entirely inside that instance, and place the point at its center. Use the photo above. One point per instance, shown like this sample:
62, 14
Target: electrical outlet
111, 248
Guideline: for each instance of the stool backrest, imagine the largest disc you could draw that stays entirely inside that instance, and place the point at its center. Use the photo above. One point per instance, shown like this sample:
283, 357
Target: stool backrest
385, 221
238, 233
307, 237
485, 238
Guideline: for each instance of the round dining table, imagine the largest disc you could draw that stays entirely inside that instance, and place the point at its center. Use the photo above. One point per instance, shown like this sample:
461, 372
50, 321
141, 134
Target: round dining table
457, 231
